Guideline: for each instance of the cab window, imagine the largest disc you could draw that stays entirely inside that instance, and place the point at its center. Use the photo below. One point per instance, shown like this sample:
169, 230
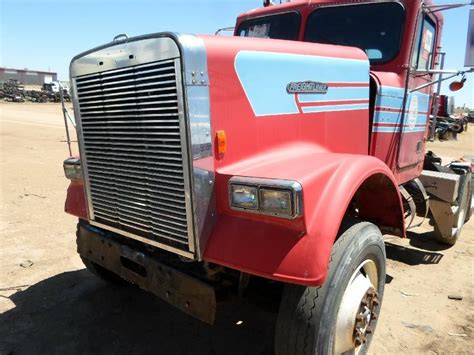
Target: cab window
425, 42
281, 26
376, 28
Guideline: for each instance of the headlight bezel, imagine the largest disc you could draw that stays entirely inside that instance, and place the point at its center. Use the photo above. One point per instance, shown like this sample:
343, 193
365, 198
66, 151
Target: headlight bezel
293, 188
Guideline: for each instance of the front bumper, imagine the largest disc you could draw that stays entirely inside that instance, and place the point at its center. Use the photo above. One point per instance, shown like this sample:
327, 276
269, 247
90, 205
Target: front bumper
187, 293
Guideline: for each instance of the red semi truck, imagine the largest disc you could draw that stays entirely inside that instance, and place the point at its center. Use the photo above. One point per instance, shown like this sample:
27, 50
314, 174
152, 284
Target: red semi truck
280, 153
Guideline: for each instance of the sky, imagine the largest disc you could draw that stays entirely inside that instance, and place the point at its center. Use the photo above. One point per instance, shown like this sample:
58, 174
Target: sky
46, 34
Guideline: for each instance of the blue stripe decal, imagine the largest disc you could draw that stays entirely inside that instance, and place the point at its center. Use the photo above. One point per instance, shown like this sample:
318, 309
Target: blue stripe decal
397, 129
309, 109
341, 93
390, 102
265, 75
391, 91
387, 117
397, 92
394, 117
391, 97
396, 102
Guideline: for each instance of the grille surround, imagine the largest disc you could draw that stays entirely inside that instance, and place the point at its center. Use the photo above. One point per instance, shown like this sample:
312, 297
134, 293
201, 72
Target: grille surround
170, 230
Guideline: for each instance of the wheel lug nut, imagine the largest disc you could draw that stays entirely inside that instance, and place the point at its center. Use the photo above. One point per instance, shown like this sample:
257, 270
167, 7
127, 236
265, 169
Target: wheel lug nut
368, 330
374, 315
375, 302
358, 342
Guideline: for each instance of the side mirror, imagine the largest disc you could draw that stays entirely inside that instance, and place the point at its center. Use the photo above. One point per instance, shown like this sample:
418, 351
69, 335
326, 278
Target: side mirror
457, 85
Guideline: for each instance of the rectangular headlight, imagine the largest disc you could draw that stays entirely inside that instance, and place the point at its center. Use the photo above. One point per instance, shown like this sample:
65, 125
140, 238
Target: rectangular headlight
72, 169
276, 201
243, 196
280, 198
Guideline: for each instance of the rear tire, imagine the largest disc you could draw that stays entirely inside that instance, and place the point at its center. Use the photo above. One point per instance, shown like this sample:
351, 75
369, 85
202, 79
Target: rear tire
334, 318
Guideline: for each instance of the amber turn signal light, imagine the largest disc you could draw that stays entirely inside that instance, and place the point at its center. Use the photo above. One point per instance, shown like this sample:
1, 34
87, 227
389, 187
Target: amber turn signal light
221, 143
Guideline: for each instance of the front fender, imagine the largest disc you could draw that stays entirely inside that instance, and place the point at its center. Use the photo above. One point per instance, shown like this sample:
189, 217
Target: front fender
75, 203
280, 251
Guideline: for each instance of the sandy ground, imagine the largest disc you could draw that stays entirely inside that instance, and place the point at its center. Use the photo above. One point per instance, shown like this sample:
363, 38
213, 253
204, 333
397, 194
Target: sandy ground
50, 304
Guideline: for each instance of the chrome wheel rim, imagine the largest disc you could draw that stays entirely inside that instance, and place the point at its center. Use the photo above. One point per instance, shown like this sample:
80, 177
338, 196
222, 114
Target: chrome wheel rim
357, 310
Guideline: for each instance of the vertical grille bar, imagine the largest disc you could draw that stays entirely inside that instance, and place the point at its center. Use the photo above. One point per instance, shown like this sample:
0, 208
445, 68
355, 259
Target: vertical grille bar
133, 134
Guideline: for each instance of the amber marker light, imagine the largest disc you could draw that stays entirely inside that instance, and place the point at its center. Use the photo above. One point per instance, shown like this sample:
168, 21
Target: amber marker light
221, 143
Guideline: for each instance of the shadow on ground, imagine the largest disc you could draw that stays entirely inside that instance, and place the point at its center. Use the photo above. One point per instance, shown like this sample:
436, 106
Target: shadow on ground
422, 250
411, 256
426, 241
74, 313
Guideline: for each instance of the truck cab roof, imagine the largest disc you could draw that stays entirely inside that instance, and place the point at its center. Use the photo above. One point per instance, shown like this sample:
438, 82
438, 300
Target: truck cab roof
387, 40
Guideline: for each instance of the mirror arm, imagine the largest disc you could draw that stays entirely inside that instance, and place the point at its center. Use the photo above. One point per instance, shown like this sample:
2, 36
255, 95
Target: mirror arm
438, 71
443, 7
453, 72
433, 82
225, 29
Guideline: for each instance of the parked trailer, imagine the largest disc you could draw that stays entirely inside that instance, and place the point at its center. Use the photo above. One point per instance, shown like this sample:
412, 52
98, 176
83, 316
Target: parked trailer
281, 153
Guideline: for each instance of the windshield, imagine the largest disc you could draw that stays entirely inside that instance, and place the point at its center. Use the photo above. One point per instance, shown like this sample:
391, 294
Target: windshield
281, 26
375, 28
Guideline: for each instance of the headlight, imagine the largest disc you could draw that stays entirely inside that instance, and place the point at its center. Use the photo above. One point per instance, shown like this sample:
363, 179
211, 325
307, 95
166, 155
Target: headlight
278, 201
281, 198
72, 169
244, 196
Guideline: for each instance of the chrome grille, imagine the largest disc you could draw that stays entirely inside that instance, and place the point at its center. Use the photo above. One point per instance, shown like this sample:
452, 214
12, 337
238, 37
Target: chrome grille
133, 151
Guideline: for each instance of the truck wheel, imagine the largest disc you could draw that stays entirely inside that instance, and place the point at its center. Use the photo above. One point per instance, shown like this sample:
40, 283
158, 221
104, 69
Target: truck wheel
461, 216
339, 316
457, 127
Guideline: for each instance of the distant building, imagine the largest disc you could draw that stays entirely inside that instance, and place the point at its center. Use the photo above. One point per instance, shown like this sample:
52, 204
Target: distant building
27, 77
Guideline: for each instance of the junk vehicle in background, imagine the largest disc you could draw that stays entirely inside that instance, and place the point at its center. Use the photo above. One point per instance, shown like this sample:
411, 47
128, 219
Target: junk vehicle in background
12, 90
448, 123
281, 153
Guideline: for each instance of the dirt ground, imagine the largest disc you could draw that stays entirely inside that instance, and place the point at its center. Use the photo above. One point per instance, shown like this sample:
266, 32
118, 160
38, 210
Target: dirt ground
50, 304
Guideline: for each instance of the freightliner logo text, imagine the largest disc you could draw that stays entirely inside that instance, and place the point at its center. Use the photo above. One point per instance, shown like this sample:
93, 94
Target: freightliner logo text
306, 87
